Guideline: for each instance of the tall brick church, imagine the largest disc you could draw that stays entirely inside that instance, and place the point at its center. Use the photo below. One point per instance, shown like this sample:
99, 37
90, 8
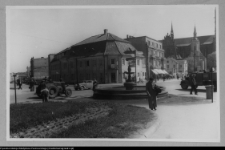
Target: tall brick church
193, 49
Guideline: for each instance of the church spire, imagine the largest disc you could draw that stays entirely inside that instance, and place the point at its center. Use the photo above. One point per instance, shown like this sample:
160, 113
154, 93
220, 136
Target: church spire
171, 32
195, 33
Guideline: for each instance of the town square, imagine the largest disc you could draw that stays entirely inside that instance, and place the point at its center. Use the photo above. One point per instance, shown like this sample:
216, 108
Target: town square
114, 72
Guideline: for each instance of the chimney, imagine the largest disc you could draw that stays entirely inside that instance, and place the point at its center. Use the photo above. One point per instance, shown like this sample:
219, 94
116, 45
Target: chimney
127, 36
105, 31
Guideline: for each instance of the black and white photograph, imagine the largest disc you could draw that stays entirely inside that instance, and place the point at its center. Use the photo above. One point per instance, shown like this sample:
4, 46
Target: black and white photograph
113, 73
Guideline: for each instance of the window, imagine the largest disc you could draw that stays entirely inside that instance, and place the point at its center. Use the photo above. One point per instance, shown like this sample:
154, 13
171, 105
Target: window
65, 65
143, 73
123, 60
138, 74
143, 61
168, 66
94, 62
138, 61
180, 66
87, 63
112, 61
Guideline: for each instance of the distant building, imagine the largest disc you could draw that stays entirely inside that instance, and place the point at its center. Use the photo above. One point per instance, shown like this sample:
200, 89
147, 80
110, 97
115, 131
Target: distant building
102, 57
153, 52
193, 49
28, 71
171, 66
21, 75
39, 68
182, 67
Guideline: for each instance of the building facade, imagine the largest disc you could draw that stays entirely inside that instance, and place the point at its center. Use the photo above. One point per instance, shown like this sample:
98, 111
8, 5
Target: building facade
101, 57
172, 66
153, 52
194, 50
39, 68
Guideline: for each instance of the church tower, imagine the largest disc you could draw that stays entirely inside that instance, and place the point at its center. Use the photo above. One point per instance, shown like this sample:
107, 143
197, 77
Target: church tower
171, 32
169, 44
198, 58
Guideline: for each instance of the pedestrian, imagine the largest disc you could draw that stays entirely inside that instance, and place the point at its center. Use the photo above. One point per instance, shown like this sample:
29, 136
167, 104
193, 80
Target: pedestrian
63, 85
20, 84
193, 84
31, 84
95, 84
44, 91
150, 85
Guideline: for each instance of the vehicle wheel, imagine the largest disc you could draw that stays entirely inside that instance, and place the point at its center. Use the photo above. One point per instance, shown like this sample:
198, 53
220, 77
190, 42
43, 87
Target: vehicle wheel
184, 86
81, 88
53, 91
68, 92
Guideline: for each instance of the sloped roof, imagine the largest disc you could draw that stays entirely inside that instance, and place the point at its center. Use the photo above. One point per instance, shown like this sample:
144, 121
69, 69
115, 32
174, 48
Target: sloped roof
99, 38
208, 39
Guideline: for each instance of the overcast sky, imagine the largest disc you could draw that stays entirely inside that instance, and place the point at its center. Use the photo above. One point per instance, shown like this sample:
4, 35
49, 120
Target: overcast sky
39, 31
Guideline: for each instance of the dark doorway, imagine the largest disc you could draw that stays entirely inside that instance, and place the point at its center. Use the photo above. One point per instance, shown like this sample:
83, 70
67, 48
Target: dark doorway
113, 78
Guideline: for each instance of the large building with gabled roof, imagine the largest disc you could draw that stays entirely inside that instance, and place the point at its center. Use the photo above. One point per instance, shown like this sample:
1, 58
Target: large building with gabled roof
101, 57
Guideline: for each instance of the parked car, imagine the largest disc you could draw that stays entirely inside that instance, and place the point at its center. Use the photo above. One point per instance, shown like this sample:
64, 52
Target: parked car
85, 85
202, 79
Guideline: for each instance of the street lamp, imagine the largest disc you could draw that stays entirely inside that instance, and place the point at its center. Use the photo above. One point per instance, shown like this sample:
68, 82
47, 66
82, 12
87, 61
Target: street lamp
14, 76
212, 70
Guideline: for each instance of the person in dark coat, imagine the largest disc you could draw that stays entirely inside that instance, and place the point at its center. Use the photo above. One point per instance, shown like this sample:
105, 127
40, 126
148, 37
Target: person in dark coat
193, 84
44, 91
32, 84
95, 83
150, 85
63, 85
20, 84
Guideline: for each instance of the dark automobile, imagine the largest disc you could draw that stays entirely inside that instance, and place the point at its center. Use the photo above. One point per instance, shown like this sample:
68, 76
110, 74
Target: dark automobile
202, 79
55, 89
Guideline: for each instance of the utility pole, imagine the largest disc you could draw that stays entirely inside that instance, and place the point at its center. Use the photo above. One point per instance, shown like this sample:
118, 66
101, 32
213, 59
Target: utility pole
194, 58
14, 75
135, 53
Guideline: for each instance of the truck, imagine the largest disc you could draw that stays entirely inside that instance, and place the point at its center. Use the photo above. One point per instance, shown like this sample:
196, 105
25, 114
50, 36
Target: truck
202, 79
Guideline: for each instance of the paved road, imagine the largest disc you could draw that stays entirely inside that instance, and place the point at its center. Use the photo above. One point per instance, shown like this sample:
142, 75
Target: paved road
26, 96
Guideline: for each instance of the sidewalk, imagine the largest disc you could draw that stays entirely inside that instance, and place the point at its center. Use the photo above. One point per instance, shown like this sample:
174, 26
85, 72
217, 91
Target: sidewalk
185, 118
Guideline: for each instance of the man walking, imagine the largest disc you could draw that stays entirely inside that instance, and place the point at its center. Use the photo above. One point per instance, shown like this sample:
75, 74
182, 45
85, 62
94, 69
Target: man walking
150, 85
193, 84
20, 84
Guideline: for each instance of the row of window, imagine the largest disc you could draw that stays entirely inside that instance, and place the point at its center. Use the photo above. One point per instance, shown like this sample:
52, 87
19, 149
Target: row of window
156, 53
93, 63
168, 66
138, 61
153, 44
